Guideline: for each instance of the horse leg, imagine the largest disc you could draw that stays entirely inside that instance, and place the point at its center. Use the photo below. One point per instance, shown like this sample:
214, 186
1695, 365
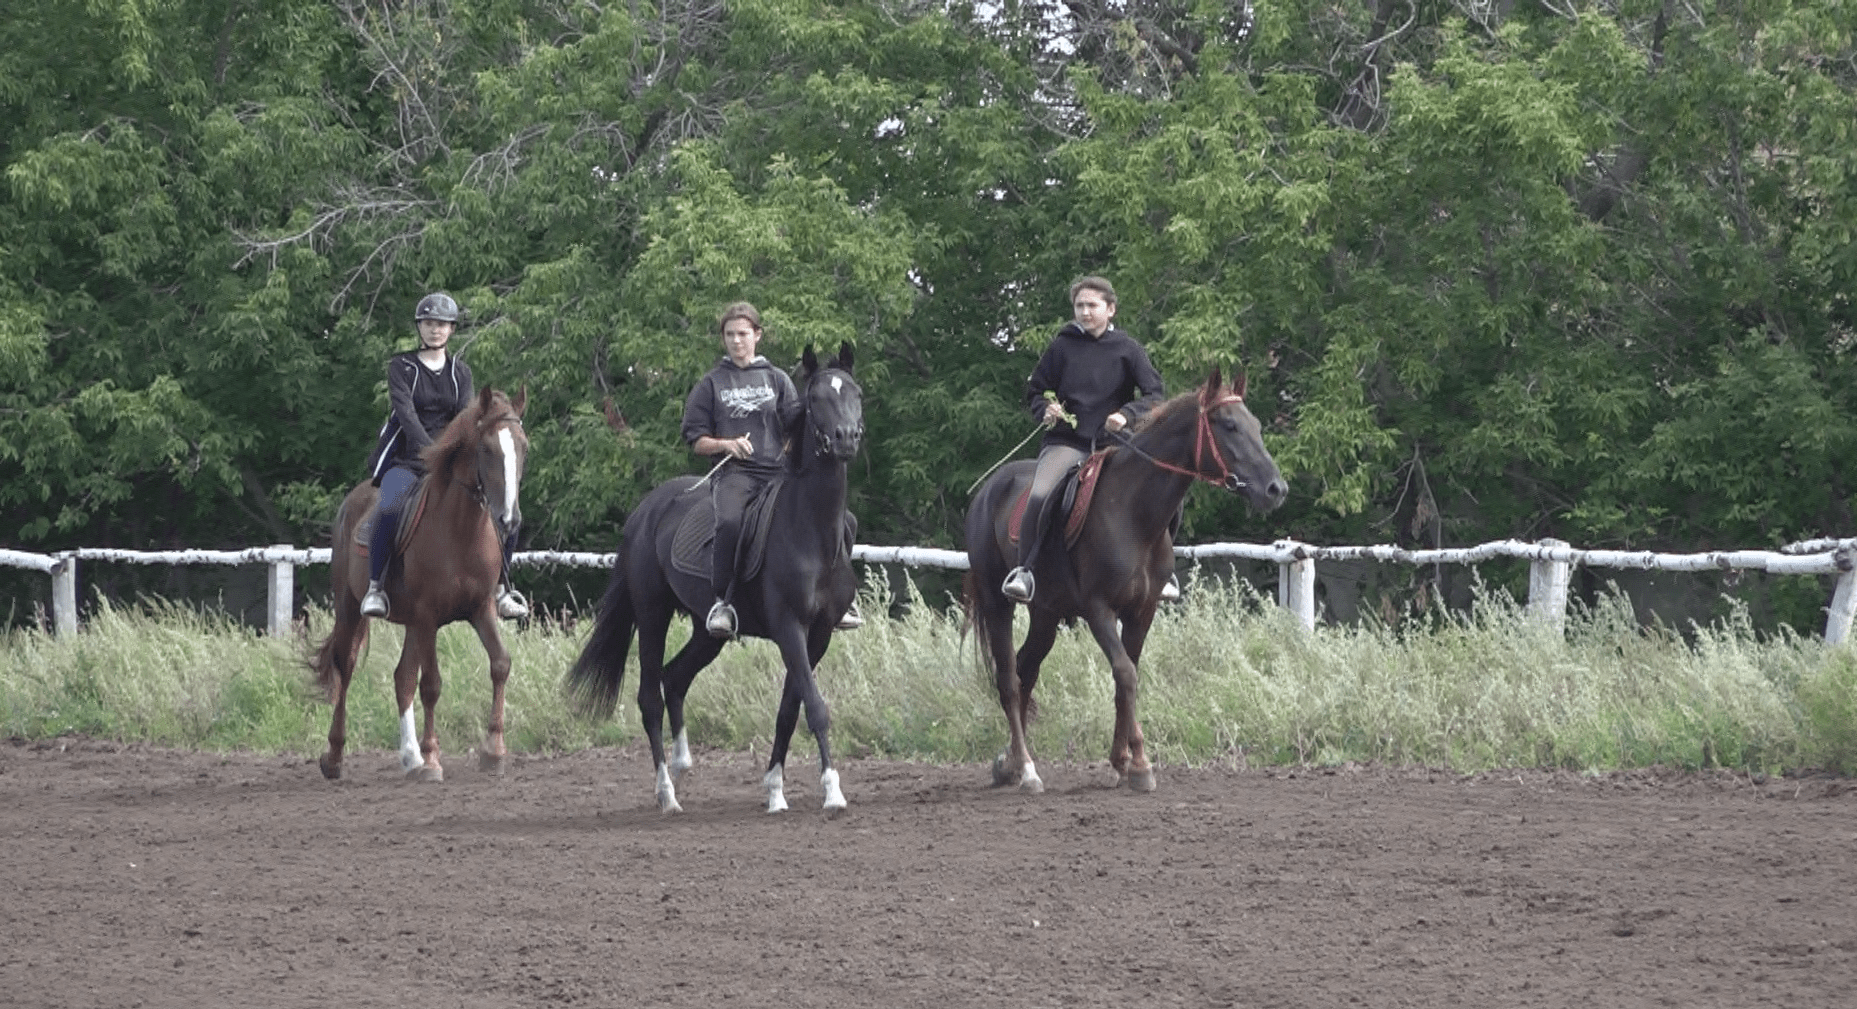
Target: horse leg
417, 676
495, 752
1135, 628
1015, 683
1128, 759
800, 689
344, 649
651, 633
679, 673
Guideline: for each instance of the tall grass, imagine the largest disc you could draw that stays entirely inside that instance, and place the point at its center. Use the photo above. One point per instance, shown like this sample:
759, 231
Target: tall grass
1225, 675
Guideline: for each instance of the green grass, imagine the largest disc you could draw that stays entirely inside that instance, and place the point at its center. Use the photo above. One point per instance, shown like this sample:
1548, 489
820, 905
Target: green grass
1226, 675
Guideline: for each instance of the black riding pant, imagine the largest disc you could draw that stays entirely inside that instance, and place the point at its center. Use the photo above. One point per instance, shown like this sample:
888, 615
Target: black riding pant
730, 490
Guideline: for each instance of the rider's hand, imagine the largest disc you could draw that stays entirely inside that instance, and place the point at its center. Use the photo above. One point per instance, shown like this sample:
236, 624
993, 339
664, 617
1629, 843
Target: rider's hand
1115, 422
1054, 412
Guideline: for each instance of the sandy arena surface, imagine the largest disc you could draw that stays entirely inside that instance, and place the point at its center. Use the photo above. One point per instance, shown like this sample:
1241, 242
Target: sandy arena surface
136, 876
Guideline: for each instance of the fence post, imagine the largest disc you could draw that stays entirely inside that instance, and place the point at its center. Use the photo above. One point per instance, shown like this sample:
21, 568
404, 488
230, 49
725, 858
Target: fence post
1843, 607
64, 595
282, 596
1547, 586
1296, 589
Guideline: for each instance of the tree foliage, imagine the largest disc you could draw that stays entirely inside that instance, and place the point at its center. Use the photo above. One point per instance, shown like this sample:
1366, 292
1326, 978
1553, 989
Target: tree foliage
1493, 269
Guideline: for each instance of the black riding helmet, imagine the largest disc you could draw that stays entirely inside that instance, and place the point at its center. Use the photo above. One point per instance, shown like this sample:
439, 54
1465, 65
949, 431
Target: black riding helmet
437, 305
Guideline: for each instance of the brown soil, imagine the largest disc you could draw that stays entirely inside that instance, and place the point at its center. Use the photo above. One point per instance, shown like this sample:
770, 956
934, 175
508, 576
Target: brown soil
140, 876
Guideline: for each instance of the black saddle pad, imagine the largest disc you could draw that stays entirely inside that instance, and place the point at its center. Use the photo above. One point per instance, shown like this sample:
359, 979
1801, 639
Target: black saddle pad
696, 534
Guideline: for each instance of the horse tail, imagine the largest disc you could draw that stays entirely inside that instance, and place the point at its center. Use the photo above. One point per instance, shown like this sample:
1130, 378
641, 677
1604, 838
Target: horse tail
322, 666
976, 621
593, 682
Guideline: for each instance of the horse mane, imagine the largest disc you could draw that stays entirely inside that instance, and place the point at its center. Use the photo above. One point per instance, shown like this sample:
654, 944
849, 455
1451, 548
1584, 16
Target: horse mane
1153, 418
454, 445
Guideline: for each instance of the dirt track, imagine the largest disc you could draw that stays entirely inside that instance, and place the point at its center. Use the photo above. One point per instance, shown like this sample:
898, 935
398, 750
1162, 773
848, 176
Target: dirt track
136, 876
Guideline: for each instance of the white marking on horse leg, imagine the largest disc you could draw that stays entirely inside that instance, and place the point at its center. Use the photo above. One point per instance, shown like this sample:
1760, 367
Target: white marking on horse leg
667, 792
834, 796
410, 757
774, 781
510, 477
680, 755
1030, 781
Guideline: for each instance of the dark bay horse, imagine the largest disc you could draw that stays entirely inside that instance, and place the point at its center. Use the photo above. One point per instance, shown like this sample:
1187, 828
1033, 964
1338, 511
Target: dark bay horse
1115, 571
804, 585
447, 570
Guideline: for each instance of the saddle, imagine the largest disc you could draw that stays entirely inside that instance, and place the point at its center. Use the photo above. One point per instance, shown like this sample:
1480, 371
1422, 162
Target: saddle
410, 515
1076, 490
696, 534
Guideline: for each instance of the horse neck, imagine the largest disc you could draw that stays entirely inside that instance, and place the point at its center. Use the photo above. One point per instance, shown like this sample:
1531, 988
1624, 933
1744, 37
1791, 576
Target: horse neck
1155, 493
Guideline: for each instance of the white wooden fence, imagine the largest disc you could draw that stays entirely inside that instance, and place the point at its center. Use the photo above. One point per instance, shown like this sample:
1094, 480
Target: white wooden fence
1551, 565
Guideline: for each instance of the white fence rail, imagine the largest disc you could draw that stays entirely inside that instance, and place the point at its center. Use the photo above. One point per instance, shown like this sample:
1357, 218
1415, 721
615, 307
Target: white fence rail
1551, 564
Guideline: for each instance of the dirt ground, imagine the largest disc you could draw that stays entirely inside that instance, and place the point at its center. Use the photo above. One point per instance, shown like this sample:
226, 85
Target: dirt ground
138, 876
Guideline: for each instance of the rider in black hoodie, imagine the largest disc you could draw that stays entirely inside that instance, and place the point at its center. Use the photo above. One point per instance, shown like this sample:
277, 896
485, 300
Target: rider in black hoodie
1100, 376
743, 408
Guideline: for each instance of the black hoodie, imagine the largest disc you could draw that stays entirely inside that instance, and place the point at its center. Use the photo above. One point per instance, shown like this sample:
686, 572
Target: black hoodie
1093, 377
759, 401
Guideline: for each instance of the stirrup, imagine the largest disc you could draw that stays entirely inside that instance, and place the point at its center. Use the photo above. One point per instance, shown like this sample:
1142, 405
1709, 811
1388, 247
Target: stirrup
1019, 585
1170, 592
852, 620
509, 604
374, 604
721, 620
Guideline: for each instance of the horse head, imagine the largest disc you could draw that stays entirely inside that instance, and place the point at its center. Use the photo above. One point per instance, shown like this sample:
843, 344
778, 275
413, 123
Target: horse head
1237, 460
502, 455
834, 404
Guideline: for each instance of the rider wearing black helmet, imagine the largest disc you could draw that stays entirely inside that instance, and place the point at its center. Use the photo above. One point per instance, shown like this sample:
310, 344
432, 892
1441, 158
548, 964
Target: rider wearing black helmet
426, 389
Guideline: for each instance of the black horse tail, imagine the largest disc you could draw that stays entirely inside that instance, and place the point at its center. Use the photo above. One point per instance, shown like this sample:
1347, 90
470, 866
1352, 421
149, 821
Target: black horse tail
593, 682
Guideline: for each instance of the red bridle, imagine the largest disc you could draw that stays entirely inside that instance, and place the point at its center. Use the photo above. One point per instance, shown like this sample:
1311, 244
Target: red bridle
1202, 443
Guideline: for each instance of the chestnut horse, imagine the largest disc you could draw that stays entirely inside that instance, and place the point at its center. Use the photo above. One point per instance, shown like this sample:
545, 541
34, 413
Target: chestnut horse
795, 600
446, 570
1120, 561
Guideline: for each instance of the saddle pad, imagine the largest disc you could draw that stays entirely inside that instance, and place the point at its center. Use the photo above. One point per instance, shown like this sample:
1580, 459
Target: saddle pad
1077, 489
696, 534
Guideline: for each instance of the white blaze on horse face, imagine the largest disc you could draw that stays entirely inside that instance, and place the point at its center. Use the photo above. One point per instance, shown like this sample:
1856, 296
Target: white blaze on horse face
510, 477
838, 384
410, 757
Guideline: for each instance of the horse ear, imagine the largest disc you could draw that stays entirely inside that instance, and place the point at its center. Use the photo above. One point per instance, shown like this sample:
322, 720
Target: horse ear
844, 355
483, 399
809, 361
1212, 386
521, 402
1243, 380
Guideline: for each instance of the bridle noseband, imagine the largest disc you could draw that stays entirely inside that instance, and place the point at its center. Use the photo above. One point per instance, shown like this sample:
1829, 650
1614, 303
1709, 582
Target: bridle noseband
1203, 441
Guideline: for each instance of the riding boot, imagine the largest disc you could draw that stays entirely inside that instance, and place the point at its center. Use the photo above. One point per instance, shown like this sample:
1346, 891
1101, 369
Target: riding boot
510, 605
1019, 585
380, 551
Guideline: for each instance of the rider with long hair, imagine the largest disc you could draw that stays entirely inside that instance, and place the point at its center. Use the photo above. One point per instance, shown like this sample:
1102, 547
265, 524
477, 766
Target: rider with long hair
426, 389
743, 409
1098, 375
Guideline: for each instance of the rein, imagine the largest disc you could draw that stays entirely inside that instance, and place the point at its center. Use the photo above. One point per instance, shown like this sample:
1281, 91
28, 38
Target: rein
1202, 441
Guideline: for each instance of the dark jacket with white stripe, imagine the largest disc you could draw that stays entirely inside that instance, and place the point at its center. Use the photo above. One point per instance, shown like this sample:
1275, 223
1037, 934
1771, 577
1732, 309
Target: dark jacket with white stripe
422, 402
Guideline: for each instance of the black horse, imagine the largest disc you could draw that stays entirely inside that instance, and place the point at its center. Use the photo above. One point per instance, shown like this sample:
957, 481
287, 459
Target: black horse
802, 588
1112, 576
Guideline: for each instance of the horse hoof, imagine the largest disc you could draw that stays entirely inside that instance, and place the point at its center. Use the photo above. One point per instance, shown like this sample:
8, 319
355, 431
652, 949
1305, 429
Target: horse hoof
667, 803
1001, 776
1032, 785
491, 763
776, 802
331, 770
1140, 781
834, 796
430, 772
